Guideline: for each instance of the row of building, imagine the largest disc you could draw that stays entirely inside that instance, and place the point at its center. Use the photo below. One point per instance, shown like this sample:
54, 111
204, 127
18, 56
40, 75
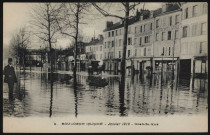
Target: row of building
169, 36
172, 36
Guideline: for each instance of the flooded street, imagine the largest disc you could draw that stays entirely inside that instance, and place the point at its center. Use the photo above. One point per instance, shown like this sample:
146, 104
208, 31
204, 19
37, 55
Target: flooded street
36, 95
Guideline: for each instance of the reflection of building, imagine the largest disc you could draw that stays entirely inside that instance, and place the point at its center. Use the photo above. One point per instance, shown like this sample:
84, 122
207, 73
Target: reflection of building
193, 57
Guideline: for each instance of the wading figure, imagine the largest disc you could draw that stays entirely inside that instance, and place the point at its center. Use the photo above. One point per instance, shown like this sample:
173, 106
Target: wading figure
10, 77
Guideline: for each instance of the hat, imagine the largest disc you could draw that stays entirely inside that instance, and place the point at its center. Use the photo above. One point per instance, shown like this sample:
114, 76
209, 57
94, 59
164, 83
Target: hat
9, 59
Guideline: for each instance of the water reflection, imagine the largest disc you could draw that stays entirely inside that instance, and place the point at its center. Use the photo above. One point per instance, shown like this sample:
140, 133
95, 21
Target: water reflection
37, 95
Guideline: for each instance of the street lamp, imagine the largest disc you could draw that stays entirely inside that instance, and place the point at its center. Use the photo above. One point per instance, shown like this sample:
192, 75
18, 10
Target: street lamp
162, 63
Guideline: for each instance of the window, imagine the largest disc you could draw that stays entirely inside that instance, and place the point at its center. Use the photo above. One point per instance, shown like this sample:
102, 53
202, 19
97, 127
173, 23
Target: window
157, 36
169, 35
134, 41
112, 43
140, 41
100, 56
135, 52
157, 23
100, 48
170, 20
177, 19
105, 44
185, 31
176, 34
195, 11
169, 51
145, 51
140, 28
144, 27
203, 28
120, 31
205, 8
135, 30
186, 13
90, 48
146, 39
163, 36
119, 54
109, 34
113, 33
163, 51
203, 47
116, 32
129, 41
129, 53
120, 42
151, 26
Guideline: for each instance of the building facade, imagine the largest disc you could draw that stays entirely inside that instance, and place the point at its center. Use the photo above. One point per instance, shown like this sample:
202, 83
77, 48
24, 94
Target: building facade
167, 39
166, 44
194, 41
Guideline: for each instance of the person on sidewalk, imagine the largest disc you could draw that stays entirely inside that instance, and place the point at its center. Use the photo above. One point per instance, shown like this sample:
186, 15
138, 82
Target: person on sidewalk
10, 77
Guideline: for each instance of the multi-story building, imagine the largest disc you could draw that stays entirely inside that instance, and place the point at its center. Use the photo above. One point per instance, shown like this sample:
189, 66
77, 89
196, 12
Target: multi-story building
94, 51
194, 41
171, 37
166, 43
113, 44
143, 41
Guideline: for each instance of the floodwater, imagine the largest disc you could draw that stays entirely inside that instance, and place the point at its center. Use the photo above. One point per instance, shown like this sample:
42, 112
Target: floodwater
36, 95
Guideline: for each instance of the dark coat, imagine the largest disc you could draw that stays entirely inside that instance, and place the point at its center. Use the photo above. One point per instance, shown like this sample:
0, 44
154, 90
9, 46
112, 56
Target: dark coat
9, 73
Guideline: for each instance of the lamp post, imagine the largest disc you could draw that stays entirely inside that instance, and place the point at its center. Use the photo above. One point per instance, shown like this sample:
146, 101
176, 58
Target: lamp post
162, 64
173, 56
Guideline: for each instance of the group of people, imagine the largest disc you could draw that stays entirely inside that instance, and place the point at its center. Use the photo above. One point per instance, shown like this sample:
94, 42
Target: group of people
10, 77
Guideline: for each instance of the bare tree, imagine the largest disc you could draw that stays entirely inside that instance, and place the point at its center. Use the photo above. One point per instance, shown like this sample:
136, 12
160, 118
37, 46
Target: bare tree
127, 7
68, 22
44, 25
19, 45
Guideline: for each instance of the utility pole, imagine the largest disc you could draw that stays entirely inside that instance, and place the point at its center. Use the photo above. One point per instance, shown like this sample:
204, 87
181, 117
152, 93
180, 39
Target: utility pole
173, 55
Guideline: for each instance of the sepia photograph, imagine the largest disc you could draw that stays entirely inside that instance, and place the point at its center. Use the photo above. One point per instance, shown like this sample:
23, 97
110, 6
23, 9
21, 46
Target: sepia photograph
108, 67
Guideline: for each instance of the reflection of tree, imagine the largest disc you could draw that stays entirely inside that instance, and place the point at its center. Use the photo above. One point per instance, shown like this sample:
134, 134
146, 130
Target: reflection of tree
76, 101
51, 97
122, 107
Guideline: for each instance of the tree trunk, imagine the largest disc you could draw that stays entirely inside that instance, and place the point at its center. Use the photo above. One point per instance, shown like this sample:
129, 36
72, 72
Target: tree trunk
75, 47
123, 67
49, 41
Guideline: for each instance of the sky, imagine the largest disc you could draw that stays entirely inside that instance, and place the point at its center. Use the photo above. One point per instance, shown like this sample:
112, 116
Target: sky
16, 15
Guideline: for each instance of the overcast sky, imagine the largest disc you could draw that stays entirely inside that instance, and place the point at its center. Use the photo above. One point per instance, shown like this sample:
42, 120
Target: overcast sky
16, 15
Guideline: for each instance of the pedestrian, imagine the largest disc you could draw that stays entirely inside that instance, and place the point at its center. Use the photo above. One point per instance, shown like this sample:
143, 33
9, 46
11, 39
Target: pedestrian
10, 77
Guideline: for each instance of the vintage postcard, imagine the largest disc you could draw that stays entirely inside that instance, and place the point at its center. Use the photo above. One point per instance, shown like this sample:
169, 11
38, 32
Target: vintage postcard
105, 67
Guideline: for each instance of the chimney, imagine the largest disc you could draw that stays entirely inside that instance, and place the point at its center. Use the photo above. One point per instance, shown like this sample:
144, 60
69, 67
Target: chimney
141, 17
164, 6
109, 24
151, 14
100, 37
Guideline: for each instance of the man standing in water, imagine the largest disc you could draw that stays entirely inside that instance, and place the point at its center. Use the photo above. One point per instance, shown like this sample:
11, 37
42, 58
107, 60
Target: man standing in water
10, 77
